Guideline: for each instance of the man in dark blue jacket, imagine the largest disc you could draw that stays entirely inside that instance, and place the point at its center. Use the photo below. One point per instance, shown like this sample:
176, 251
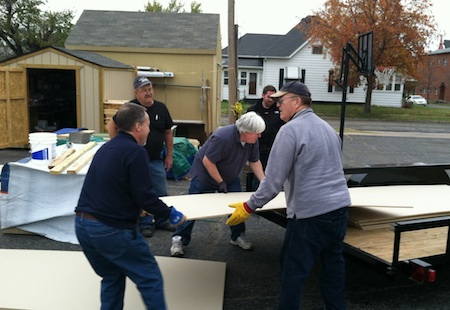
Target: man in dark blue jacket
159, 138
117, 187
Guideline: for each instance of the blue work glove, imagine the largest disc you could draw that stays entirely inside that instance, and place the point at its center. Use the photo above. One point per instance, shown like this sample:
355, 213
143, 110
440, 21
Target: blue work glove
240, 215
176, 217
223, 187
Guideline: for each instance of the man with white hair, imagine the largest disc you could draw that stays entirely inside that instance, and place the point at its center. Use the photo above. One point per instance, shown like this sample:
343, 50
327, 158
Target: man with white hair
217, 167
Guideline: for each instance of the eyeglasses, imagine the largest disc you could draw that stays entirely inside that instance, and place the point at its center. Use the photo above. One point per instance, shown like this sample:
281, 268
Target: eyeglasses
282, 99
145, 90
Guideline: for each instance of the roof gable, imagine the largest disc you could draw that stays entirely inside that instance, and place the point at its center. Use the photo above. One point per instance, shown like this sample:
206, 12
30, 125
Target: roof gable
146, 30
267, 45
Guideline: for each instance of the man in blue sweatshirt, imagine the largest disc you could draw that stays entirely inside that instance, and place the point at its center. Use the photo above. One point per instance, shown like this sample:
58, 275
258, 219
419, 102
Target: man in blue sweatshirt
117, 187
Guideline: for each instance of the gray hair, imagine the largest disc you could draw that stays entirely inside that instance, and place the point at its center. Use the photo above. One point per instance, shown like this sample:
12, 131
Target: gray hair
250, 122
128, 115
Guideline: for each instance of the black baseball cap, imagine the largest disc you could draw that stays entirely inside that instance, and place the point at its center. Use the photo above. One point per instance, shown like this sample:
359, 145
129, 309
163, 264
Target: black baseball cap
295, 87
141, 81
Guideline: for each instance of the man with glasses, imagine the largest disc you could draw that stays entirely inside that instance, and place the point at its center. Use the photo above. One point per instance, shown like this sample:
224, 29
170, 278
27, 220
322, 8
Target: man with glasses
160, 135
305, 160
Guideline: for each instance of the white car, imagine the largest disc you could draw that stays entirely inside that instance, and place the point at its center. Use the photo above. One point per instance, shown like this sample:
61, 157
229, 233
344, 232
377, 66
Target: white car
416, 99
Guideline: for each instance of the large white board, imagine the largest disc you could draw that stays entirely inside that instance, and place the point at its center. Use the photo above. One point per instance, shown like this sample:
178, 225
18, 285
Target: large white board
55, 280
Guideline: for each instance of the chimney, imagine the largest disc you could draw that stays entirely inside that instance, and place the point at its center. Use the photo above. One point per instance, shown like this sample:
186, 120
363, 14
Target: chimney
441, 45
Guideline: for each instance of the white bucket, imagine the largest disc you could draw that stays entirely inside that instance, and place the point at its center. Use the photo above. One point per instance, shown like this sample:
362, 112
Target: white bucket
43, 147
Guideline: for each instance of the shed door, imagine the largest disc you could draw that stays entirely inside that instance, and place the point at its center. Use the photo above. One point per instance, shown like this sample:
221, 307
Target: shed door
13, 108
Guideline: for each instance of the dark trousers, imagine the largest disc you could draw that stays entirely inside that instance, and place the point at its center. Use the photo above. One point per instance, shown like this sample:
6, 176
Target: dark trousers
197, 187
306, 240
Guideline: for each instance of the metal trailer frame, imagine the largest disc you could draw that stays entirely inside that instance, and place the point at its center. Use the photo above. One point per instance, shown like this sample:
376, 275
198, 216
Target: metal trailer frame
420, 269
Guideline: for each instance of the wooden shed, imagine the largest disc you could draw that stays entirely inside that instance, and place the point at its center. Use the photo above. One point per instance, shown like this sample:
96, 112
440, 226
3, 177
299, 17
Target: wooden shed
56, 88
179, 52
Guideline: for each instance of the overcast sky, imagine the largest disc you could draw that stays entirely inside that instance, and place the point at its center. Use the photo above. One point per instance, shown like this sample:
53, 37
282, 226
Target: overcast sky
263, 16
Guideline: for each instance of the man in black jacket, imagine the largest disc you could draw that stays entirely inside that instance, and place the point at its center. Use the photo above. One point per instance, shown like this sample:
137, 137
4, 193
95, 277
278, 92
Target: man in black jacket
268, 110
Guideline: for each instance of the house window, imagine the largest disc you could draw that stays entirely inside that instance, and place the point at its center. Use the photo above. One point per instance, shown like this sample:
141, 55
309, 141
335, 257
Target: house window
225, 77
389, 86
243, 78
397, 82
317, 49
444, 62
438, 62
280, 78
436, 91
330, 80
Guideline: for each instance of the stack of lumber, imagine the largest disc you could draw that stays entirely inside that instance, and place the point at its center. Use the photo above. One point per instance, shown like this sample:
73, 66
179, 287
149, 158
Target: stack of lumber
110, 108
72, 160
379, 206
372, 207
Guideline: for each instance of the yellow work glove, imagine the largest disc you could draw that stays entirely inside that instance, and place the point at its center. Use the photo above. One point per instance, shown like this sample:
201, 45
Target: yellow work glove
240, 215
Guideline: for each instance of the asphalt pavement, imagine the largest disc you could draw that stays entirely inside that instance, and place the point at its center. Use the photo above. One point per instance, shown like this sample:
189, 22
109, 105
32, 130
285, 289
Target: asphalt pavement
252, 276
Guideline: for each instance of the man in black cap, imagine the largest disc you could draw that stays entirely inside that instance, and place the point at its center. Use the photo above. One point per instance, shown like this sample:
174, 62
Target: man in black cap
305, 160
160, 136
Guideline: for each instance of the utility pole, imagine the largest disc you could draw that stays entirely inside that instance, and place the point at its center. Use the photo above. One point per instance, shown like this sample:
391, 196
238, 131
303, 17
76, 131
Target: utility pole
232, 62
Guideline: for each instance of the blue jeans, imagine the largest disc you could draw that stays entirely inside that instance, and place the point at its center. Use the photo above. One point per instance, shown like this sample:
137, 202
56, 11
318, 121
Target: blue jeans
198, 187
159, 184
159, 177
115, 254
306, 240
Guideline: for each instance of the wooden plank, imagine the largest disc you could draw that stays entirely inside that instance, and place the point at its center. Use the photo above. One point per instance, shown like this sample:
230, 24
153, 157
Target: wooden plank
68, 161
61, 158
15, 231
426, 201
413, 244
199, 206
76, 166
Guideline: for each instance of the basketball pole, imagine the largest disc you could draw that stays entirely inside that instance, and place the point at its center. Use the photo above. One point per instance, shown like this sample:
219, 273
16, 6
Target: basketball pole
364, 62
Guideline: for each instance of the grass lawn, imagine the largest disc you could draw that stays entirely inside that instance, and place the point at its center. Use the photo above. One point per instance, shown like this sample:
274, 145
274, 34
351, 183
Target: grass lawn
356, 111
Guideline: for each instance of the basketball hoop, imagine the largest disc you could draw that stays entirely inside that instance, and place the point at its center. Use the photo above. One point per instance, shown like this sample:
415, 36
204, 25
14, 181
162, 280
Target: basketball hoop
384, 74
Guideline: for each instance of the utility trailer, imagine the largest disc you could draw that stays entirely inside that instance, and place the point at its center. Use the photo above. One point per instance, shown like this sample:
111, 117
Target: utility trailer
416, 248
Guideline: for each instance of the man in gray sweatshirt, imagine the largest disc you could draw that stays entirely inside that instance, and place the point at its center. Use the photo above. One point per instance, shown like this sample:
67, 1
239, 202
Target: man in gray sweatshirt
305, 161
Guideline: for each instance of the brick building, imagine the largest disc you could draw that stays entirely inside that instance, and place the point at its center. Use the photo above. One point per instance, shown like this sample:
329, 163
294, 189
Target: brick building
435, 75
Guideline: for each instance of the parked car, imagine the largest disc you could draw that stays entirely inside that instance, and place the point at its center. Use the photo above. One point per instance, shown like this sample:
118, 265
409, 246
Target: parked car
416, 99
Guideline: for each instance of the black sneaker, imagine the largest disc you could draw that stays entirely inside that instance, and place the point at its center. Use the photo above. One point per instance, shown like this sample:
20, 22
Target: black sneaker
147, 232
166, 226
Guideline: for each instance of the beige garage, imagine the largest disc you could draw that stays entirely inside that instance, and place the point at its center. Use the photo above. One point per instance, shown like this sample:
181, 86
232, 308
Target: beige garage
56, 88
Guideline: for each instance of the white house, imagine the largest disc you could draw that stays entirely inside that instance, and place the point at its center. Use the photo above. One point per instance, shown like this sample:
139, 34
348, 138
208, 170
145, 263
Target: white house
275, 59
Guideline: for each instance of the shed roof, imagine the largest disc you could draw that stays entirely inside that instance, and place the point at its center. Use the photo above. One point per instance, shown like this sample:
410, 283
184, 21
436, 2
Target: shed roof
146, 30
95, 58
90, 57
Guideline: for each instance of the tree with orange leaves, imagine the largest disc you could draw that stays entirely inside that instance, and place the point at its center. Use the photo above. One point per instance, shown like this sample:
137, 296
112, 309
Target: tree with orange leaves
402, 30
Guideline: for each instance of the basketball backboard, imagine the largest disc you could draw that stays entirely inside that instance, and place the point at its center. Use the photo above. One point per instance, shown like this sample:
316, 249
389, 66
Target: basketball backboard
365, 52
